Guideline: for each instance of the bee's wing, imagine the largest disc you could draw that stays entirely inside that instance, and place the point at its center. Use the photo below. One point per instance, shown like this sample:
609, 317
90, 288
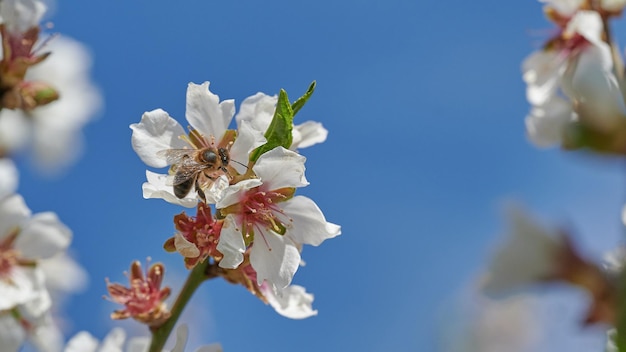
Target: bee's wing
184, 174
174, 156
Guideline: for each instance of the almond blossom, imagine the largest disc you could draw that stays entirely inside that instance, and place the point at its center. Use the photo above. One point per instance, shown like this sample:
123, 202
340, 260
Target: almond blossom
263, 214
54, 130
571, 80
258, 110
116, 339
536, 255
209, 120
25, 239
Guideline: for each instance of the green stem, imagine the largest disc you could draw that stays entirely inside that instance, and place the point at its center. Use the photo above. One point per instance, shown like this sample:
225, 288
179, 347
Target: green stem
196, 277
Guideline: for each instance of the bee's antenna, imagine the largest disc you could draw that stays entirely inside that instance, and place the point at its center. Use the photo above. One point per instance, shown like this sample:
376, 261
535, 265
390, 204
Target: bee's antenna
246, 166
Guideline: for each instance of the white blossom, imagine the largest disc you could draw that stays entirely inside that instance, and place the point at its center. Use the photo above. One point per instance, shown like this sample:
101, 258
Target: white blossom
279, 223
54, 130
258, 110
529, 255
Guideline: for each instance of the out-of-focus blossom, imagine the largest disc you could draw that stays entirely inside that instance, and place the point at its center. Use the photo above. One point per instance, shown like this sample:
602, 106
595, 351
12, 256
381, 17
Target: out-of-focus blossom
530, 255
534, 255
8, 178
611, 346
54, 130
474, 323
564, 8
144, 299
613, 6
21, 15
258, 110
264, 214
572, 80
160, 141
114, 342
25, 239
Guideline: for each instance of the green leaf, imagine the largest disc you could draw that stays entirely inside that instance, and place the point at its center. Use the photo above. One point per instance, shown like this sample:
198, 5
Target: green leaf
298, 104
278, 133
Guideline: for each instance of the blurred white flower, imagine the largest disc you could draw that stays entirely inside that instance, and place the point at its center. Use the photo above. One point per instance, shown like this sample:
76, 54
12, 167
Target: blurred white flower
25, 239
572, 80
613, 5
258, 110
480, 324
565, 8
54, 130
114, 342
8, 177
20, 15
531, 254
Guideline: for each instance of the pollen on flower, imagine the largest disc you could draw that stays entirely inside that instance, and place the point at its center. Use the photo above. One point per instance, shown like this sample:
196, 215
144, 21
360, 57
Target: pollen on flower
260, 210
200, 236
144, 298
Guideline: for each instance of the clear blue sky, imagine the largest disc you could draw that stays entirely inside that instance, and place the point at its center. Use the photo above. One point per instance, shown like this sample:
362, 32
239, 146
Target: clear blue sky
424, 104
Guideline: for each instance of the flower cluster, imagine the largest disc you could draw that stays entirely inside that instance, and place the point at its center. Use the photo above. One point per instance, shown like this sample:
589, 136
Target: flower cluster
575, 85
249, 175
573, 82
28, 244
46, 96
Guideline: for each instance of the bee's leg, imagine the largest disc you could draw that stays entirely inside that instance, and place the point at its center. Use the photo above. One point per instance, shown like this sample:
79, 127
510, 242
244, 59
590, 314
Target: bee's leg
199, 190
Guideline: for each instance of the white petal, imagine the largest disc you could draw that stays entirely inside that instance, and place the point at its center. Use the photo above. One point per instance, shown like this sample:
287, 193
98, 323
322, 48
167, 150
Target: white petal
613, 5
182, 331
594, 87
531, 254
247, 140
231, 244
13, 212
15, 130
113, 341
233, 194
309, 225
308, 134
546, 124
214, 193
157, 131
205, 113
158, 187
281, 168
41, 302
20, 15
64, 274
275, 259
57, 136
23, 285
45, 335
184, 247
43, 236
82, 342
586, 23
565, 8
294, 302
258, 111
8, 178
12, 335
541, 72
138, 344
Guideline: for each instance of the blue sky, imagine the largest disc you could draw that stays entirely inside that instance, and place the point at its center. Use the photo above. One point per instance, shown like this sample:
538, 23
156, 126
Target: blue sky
424, 105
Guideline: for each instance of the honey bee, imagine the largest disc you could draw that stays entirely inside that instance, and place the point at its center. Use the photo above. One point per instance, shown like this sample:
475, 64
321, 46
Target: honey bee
195, 168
